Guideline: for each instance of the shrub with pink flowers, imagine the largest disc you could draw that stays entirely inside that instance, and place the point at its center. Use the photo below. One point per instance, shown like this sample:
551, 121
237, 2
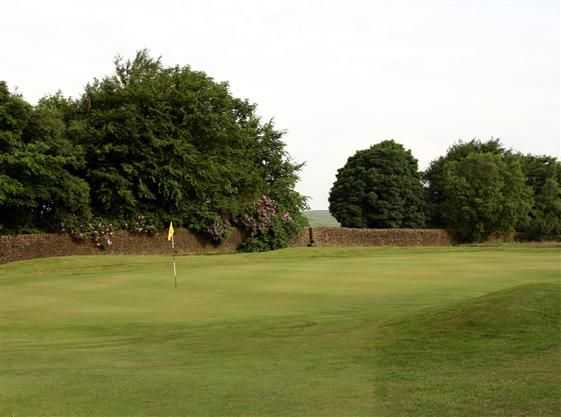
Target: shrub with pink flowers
268, 226
218, 230
96, 230
100, 231
140, 224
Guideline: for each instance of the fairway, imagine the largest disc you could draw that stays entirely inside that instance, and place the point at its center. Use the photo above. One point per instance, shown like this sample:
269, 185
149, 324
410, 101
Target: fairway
456, 331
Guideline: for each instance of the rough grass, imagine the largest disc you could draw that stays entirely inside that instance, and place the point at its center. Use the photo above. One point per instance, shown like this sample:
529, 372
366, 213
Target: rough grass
321, 218
312, 331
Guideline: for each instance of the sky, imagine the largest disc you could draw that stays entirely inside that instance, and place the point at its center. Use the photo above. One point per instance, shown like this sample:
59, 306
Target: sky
337, 76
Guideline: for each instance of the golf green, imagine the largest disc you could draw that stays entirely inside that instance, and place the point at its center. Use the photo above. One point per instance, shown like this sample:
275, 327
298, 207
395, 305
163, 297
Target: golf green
460, 331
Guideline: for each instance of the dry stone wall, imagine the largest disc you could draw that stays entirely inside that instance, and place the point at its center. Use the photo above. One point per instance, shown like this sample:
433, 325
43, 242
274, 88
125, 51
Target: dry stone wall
341, 236
21, 247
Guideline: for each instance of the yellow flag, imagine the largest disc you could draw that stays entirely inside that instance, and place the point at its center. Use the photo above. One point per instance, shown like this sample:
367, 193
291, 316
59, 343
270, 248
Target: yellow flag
171, 232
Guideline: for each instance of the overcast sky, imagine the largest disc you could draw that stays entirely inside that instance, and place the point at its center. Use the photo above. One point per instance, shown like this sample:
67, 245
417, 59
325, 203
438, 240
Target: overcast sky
338, 76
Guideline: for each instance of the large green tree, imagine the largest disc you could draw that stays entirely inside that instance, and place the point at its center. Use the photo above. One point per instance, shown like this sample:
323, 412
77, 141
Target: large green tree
484, 193
171, 143
163, 143
543, 175
39, 185
434, 176
379, 187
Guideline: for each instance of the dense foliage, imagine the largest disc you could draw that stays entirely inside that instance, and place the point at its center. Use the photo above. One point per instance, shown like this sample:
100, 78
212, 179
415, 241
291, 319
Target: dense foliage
165, 143
484, 193
379, 187
151, 143
543, 174
434, 175
477, 189
40, 184
268, 227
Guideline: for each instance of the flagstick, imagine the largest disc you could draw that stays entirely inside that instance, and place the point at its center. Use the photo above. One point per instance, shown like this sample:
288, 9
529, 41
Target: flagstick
173, 261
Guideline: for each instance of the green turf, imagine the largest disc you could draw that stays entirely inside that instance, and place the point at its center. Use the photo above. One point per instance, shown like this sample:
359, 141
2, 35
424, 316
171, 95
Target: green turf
321, 218
298, 332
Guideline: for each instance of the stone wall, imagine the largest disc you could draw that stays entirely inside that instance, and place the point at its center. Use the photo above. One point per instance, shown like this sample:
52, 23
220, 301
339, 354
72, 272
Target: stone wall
20, 247
341, 236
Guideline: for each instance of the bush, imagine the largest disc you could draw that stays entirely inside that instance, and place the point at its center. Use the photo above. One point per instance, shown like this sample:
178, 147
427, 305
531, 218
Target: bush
95, 230
268, 227
140, 225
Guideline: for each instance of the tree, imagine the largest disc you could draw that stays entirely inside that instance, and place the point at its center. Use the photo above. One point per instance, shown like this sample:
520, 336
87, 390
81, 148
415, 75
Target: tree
379, 187
39, 188
149, 142
171, 143
543, 174
483, 193
544, 218
434, 175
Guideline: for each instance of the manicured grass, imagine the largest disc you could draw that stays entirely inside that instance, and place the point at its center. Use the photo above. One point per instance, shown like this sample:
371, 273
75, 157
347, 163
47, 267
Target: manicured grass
298, 332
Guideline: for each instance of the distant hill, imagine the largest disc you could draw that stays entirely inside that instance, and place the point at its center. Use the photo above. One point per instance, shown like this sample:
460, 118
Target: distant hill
321, 218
